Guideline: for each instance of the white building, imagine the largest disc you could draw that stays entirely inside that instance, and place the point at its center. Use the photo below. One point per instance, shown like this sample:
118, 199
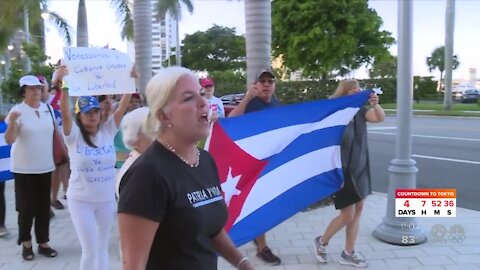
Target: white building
164, 36
471, 81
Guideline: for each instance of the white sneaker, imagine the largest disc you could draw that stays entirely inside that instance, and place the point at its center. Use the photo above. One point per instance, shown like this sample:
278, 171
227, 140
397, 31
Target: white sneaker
3, 231
320, 250
352, 260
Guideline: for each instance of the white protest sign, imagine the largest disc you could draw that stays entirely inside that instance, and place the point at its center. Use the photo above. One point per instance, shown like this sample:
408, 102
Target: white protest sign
97, 71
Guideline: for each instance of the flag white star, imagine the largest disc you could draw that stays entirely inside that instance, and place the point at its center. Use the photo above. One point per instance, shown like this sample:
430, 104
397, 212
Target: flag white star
229, 187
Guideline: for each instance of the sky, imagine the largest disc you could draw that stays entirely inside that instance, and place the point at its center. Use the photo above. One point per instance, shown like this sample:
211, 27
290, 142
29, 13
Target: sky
428, 27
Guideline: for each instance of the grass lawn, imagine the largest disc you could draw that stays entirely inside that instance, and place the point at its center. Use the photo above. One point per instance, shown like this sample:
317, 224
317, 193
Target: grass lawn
442, 113
437, 107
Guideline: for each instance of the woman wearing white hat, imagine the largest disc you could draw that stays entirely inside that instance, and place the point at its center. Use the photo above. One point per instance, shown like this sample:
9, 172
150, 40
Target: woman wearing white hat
29, 123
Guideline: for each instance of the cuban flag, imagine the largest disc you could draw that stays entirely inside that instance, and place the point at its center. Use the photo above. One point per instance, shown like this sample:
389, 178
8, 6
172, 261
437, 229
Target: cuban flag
276, 162
5, 173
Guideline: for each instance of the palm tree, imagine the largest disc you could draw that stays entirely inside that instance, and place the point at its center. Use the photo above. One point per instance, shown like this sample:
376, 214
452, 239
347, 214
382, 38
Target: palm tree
174, 8
11, 20
142, 36
16, 16
437, 60
82, 24
142, 26
258, 34
123, 11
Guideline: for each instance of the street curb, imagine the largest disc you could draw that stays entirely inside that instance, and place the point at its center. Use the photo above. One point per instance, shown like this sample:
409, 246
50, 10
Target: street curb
392, 112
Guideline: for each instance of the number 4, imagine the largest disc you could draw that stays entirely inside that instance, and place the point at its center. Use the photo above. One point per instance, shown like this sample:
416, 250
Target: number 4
406, 204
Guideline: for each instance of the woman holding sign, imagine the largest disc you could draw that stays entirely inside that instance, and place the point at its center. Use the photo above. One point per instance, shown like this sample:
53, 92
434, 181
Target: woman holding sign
91, 191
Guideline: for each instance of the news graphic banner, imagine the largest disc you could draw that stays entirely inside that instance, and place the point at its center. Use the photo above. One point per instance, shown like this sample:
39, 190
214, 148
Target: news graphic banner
97, 71
425, 203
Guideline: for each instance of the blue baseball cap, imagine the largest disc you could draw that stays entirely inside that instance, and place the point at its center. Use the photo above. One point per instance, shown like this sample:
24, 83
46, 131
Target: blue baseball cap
86, 103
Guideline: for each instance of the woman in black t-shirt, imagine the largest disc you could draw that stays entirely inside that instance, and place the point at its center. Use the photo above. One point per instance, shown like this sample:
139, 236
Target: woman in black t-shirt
171, 209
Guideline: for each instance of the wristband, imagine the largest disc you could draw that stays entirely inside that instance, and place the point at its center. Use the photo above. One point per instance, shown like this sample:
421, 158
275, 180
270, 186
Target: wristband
242, 262
64, 86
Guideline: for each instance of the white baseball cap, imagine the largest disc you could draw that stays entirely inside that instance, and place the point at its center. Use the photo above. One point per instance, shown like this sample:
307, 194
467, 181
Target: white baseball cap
29, 80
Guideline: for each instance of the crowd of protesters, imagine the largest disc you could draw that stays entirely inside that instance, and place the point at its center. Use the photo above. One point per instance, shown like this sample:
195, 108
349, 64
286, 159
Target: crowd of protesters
150, 161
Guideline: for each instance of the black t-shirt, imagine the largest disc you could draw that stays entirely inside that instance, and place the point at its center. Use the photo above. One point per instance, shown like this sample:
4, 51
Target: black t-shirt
257, 104
186, 201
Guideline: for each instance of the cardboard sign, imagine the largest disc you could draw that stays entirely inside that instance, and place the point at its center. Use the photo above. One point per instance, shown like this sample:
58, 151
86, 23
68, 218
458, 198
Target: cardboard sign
97, 71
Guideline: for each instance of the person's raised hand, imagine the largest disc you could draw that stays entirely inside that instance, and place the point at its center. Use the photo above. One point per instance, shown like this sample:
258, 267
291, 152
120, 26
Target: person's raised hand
373, 99
13, 117
59, 74
251, 92
134, 72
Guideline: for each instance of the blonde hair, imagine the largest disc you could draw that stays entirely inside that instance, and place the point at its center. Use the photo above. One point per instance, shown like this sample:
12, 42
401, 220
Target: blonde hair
158, 92
345, 86
132, 126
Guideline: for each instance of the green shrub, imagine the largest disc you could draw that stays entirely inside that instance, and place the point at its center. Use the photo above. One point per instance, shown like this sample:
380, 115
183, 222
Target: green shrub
388, 85
10, 87
228, 82
298, 91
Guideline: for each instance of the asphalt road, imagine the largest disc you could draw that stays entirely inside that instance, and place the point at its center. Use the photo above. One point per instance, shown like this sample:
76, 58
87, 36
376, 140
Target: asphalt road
446, 151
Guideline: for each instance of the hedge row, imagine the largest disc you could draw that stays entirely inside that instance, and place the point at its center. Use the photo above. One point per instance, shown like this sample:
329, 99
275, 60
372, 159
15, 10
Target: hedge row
298, 91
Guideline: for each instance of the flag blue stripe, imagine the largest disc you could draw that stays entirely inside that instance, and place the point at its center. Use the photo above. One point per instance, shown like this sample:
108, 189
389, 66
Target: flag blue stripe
5, 150
4, 153
5, 175
286, 205
305, 144
3, 127
308, 112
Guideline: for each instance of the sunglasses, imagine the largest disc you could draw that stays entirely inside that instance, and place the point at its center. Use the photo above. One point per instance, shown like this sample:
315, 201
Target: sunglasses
269, 81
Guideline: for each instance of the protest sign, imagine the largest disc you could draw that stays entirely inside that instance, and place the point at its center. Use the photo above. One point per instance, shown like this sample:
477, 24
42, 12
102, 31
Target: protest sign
97, 71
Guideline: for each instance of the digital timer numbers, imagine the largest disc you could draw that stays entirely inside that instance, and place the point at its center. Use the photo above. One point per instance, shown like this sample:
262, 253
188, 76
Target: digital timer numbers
434, 203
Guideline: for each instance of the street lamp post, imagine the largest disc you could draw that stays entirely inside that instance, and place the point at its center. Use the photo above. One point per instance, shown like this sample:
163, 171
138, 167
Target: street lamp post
3, 73
2, 69
28, 65
8, 61
45, 16
405, 230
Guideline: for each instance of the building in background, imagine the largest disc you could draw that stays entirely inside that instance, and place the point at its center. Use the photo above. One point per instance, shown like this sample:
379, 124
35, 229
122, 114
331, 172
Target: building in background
163, 40
469, 82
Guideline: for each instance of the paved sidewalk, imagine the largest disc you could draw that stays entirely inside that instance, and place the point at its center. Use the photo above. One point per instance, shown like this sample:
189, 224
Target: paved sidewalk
292, 240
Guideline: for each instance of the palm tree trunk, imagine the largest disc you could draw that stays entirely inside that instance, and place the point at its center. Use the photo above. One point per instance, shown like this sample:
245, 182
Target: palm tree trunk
82, 25
258, 32
449, 27
142, 36
178, 53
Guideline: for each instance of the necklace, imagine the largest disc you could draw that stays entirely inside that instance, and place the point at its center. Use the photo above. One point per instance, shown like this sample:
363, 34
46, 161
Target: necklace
194, 165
